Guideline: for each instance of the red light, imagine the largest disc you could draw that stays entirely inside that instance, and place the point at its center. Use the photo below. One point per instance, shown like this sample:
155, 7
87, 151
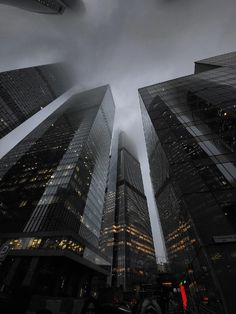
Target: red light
184, 297
205, 300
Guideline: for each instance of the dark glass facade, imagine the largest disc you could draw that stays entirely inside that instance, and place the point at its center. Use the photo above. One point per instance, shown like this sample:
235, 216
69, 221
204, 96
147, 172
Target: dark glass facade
39, 6
189, 125
52, 193
228, 60
23, 92
131, 235
108, 220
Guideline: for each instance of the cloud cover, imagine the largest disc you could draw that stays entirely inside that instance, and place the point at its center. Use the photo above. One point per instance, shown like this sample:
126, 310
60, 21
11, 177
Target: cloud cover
126, 43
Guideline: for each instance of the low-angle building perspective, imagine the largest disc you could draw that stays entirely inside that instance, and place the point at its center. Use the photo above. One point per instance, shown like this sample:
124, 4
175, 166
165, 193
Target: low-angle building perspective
127, 234
189, 125
117, 157
134, 256
47, 196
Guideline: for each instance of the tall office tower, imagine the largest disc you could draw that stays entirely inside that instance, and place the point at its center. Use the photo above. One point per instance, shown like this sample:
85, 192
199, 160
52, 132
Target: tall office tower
190, 130
228, 60
108, 220
41, 6
52, 199
130, 235
23, 92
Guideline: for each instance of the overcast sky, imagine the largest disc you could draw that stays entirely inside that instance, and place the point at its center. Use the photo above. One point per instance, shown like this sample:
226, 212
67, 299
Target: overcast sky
125, 43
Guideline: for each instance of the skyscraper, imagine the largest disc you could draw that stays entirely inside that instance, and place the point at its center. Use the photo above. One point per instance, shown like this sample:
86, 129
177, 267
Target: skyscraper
41, 6
127, 231
108, 220
52, 199
190, 131
228, 60
23, 92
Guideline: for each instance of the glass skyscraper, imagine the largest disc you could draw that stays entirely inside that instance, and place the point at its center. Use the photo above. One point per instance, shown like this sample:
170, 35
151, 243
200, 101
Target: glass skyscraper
23, 92
108, 220
52, 199
190, 131
228, 60
127, 235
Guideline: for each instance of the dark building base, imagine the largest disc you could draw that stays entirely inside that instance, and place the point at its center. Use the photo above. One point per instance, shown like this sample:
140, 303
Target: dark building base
29, 284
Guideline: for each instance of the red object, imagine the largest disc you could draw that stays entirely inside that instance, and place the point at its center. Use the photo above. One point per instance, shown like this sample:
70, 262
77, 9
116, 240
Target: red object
205, 300
184, 296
